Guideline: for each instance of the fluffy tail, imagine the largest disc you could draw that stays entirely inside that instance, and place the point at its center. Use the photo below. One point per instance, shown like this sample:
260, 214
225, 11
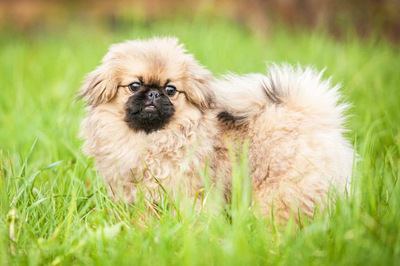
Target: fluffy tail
241, 97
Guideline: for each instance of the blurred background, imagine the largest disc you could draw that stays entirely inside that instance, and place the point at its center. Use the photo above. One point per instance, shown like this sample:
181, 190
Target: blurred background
380, 18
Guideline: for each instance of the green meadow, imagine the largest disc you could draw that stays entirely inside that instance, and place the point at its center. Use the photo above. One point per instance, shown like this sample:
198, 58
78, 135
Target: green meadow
54, 209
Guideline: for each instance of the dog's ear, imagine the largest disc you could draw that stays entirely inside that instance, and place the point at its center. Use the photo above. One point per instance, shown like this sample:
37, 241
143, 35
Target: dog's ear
199, 90
99, 86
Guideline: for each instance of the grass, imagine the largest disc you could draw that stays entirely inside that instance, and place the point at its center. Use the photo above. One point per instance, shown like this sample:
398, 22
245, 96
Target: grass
54, 208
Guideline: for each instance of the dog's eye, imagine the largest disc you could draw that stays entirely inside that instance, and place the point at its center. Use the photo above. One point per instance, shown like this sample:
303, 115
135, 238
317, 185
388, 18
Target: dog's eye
170, 90
134, 86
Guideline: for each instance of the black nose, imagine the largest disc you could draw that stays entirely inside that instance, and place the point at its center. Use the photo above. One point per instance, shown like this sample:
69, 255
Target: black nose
153, 94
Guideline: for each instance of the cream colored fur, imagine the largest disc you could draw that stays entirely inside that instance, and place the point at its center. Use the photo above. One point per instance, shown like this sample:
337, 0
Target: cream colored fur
294, 122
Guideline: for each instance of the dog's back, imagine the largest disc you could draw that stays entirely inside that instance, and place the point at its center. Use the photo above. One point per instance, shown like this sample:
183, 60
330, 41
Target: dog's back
295, 124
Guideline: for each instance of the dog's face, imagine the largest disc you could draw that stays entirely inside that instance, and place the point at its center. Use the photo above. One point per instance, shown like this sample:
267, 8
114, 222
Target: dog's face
152, 82
150, 107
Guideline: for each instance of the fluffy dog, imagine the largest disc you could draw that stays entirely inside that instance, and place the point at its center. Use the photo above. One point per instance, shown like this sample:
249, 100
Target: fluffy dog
156, 118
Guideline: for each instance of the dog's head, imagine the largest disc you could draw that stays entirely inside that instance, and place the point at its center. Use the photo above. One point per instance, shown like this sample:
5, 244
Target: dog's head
152, 81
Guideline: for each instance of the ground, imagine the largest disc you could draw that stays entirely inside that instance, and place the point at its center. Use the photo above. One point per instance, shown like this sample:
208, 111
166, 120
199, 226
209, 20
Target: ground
54, 208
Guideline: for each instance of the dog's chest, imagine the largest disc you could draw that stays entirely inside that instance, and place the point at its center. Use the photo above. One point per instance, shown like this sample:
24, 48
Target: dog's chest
129, 159
166, 159
154, 156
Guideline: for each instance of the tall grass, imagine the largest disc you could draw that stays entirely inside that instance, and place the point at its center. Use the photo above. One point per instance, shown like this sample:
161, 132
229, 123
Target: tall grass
54, 208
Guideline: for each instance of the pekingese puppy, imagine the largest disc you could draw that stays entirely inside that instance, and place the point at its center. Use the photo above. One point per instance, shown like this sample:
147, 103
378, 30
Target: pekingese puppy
156, 119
